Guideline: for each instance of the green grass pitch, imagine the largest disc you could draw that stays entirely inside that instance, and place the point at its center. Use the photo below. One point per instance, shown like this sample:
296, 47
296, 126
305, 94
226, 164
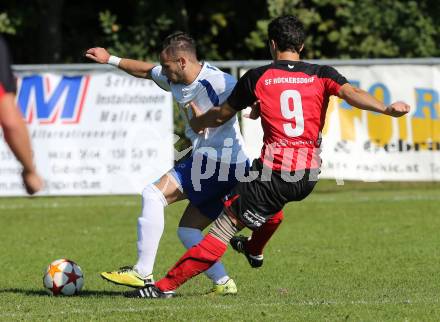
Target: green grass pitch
361, 252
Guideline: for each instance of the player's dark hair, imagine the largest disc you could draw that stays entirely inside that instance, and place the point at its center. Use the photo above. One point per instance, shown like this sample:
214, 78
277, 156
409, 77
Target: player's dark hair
287, 32
179, 41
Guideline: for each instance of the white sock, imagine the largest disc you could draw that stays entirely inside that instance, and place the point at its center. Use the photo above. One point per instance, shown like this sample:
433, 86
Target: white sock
192, 236
150, 228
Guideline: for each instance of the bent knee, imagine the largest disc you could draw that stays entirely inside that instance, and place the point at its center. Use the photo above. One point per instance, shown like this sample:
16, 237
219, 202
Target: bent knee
151, 192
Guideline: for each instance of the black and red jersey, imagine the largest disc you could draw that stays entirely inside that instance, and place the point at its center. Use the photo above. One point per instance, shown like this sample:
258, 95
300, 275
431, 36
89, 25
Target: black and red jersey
7, 80
293, 99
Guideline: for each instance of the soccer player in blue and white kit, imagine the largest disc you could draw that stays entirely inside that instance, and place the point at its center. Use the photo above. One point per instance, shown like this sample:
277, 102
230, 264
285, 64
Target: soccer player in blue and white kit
218, 158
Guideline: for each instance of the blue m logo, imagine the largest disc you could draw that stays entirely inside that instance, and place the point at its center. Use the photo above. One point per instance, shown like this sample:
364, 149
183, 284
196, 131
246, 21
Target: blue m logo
65, 101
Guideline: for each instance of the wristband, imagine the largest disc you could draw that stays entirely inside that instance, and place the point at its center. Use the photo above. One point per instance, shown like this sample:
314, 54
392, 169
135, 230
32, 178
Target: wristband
114, 60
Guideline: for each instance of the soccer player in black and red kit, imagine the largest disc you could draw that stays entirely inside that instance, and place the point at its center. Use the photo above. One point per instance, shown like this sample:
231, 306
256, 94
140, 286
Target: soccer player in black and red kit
293, 98
12, 123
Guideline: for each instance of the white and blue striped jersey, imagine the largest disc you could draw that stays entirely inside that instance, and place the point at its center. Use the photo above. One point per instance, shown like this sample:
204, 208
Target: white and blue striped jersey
211, 88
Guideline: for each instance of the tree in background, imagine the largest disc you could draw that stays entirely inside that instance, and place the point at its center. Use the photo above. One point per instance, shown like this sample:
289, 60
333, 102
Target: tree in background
359, 29
46, 31
6, 25
219, 27
137, 33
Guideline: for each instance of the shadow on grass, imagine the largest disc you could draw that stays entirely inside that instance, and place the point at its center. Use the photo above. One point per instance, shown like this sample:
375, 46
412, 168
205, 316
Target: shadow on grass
85, 293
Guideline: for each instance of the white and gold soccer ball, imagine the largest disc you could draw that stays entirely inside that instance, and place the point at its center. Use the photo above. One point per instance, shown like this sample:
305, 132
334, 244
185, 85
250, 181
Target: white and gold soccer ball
63, 277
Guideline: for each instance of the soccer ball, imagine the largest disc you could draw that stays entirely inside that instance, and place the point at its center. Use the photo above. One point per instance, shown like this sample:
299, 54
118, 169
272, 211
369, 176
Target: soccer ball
63, 277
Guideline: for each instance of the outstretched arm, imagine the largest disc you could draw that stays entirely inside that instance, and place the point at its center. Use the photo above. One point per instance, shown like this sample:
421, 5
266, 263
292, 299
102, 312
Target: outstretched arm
365, 101
136, 68
215, 117
17, 137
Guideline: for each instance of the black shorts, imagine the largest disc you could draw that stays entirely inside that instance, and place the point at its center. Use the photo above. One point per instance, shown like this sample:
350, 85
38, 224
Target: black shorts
254, 202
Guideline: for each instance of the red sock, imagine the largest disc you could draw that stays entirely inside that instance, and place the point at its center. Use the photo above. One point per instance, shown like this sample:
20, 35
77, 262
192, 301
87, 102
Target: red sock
260, 237
197, 259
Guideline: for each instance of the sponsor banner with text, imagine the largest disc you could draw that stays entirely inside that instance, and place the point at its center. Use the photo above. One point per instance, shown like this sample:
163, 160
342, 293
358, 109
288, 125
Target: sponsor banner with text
94, 133
360, 145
